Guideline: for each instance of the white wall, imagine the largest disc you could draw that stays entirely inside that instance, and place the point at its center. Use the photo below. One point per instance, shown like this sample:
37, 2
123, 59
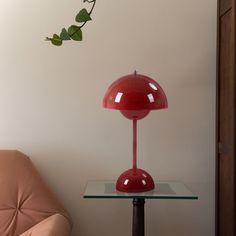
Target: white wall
50, 103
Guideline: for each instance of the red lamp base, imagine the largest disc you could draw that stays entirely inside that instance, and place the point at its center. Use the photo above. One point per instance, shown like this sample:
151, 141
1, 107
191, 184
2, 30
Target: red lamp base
135, 181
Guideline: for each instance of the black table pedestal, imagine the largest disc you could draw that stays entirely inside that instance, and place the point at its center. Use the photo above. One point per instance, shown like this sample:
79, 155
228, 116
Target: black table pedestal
138, 217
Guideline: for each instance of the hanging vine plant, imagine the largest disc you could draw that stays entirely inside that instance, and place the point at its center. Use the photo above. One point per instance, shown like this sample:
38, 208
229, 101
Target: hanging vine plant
74, 32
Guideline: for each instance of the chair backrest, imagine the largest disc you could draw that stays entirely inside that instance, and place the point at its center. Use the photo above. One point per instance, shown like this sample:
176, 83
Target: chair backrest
25, 200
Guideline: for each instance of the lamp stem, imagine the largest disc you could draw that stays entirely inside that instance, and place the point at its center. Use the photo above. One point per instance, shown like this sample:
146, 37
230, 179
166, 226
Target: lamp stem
134, 144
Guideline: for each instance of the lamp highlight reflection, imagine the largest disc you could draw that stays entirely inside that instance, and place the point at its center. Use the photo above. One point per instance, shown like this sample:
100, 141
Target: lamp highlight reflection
135, 96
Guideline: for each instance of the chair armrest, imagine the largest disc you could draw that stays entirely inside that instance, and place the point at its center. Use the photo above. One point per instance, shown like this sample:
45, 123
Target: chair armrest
55, 225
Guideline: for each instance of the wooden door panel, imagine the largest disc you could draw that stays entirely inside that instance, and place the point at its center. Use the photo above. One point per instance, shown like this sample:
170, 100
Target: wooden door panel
225, 5
226, 82
226, 128
226, 199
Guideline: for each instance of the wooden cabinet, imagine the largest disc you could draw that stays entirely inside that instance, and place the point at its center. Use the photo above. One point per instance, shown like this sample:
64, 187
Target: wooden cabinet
226, 121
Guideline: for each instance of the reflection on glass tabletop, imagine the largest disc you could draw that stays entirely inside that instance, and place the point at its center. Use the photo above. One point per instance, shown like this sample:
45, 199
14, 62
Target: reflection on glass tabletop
162, 190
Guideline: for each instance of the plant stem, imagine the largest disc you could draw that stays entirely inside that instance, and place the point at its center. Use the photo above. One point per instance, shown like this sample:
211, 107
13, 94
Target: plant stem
90, 12
94, 2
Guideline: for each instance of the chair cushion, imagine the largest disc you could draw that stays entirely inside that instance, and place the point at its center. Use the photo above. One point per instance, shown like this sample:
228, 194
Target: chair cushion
55, 225
24, 198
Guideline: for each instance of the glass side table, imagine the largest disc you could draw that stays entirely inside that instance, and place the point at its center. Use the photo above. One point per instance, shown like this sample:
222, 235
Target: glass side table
163, 190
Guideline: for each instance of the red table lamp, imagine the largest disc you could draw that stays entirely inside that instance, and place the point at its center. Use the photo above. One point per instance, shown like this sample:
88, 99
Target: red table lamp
135, 96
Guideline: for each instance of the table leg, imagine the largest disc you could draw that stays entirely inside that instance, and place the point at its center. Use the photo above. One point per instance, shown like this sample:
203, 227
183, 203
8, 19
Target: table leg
138, 217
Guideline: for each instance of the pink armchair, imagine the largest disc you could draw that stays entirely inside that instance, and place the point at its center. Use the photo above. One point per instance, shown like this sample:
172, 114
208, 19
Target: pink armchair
27, 206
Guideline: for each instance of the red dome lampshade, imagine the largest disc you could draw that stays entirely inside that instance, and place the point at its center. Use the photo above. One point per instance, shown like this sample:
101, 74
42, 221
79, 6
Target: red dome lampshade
135, 96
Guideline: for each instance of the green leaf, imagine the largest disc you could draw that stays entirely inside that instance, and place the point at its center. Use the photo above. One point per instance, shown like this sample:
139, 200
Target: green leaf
75, 33
64, 34
56, 40
83, 16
